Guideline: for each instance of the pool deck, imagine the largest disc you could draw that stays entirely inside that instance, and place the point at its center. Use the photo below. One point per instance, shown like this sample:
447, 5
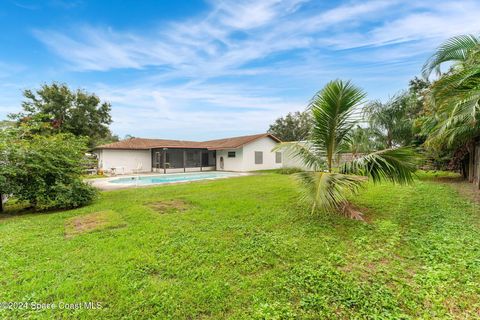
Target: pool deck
105, 184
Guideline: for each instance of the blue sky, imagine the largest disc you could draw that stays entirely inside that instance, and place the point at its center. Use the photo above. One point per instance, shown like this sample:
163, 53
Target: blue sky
202, 70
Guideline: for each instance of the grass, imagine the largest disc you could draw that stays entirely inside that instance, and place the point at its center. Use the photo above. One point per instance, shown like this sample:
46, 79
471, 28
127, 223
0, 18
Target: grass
96, 221
286, 170
242, 248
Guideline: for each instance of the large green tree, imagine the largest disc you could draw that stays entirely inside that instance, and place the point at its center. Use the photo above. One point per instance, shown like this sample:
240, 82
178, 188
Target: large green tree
327, 188
391, 121
293, 127
364, 140
455, 95
77, 112
452, 124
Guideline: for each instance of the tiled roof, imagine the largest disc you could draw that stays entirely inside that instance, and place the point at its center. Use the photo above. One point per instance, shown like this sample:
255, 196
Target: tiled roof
143, 144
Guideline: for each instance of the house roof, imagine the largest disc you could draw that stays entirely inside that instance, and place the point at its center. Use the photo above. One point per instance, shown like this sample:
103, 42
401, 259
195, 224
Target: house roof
144, 144
236, 142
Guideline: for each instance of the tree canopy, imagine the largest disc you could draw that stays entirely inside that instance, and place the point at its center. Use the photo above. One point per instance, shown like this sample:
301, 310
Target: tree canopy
293, 127
450, 119
77, 112
390, 120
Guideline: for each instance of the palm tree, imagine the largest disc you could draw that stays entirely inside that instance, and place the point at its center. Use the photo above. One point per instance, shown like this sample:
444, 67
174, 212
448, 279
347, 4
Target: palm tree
455, 50
455, 95
390, 121
454, 100
364, 140
327, 188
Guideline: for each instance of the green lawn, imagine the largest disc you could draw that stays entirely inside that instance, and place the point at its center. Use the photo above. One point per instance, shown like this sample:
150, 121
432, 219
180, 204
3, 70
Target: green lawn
243, 248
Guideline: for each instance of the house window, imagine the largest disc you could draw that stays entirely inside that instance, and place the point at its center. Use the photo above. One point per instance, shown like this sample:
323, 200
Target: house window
278, 157
258, 157
231, 154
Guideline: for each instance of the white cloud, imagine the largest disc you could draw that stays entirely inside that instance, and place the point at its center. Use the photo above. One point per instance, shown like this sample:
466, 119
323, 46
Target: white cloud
205, 46
440, 21
183, 112
192, 62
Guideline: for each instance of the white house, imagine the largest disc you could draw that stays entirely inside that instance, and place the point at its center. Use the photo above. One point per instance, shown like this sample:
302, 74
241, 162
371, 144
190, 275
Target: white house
245, 153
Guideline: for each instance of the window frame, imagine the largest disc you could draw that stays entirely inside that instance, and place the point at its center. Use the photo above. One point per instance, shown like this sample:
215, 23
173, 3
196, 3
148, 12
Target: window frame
261, 157
231, 152
278, 157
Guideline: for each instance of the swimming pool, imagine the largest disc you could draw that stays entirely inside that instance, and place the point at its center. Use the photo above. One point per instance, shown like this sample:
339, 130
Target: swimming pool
170, 178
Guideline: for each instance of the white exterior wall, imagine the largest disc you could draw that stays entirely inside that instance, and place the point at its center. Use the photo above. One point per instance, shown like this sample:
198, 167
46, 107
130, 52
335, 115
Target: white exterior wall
230, 164
265, 145
245, 156
290, 161
127, 161
130, 160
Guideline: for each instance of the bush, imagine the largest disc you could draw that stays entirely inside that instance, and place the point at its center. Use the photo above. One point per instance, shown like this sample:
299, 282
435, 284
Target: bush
43, 169
289, 170
61, 196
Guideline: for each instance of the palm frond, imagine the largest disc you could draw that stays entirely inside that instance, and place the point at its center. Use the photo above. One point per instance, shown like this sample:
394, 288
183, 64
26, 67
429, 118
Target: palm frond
391, 119
395, 165
461, 82
332, 109
455, 49
457, 101
326, 191
310, 155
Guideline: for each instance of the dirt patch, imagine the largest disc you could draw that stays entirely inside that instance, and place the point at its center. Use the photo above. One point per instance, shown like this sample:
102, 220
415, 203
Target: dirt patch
92, 222
170, 206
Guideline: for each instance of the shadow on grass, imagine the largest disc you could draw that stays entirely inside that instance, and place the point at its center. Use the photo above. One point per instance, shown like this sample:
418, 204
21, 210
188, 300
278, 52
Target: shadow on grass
18, 210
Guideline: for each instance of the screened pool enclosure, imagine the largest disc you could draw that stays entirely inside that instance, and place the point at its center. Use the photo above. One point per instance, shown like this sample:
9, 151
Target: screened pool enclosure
182, 159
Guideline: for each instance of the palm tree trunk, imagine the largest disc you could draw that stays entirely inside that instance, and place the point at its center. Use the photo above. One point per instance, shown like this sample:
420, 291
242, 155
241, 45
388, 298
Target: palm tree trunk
389, 140
471, 163
330, 158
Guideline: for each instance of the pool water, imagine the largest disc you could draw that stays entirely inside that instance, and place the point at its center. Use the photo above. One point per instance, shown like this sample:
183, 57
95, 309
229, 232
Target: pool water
172, 177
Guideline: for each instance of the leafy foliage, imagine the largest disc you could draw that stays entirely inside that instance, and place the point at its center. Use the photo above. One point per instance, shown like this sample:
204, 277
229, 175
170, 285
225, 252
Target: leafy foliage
333, 133
311, 155
287, 170
457, 100
395, 165
452, 122
456, 50
390, 121
43, 170
293, 127
364, 140
332, 109
328, 191
77, 112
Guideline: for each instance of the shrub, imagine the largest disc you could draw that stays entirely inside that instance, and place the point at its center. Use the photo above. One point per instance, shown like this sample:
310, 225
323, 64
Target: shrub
62, 196
42, 169
290, 170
